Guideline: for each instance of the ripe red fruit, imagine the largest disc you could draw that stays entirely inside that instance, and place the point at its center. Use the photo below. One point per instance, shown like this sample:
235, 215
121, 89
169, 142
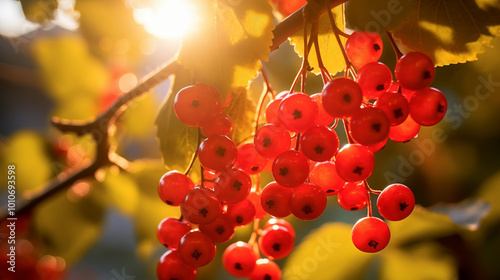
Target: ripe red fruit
308, 201
395, 106
255, 199
341, 97
280, 222
241, 213
405, 131
297, 112
324, 118
374, 79
290, 168
353, 197
395, 202
197, 104
369, 126
265, 270
272, 111
249, 160
276, 242
428, 106
171, 266
173, 187
217, 153
354, 162
370, 234
201, 206
319, 143
220, 124
324, 174
239, 259
232, 185
363, 47
220, 230
271, 140
196, 248
414, 71
170, 231
275, 199
287, 7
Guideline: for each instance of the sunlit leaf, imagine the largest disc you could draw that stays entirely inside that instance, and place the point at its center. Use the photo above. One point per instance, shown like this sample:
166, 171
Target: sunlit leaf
121, 191
327, 253
423, 261
241, 110
68, 229
229, 38
329, 48
139, 117
39, 11
467, 213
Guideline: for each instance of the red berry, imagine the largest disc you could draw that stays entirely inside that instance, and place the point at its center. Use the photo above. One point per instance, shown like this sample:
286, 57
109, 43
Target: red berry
272, 111
280, 222
341, 97
353, 197
271, 140
276, 242
324, 174
395, 202
217, 153
290, 168
370, 234
170, 231
241, 213
287, 7
249, 160
265, 270
363, 47
405, 131
197, 104
259, 211
171, 266
354, 162
220, 230
196, 248
200, 206
220, 124
414, 71
173, 187
428, 106
319, 143
374, 79
324, 118
369, 126
297, 112
395, 106
275, 198
239, 259
232, 185
307, 201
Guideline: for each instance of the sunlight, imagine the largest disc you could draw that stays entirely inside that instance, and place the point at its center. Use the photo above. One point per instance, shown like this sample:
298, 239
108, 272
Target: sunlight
168, 20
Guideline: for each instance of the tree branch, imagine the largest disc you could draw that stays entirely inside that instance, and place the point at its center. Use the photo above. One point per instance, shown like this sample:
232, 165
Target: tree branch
99, 128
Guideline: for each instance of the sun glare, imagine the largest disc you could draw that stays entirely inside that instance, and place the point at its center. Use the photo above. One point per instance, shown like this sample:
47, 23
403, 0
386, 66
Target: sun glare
169, 19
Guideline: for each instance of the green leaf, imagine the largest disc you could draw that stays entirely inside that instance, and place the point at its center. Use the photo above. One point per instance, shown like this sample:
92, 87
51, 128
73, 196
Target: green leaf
68, 229
39, 11
330, 51
241, 110
225, 45
178, 142
327, 253
448, 31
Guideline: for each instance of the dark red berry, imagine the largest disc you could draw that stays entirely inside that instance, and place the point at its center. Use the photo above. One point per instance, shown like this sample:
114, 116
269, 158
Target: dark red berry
196, 248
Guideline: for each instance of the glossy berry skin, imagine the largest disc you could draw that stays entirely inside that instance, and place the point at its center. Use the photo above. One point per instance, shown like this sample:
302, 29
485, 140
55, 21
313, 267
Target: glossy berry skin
241, 213
170, 231
272, 111
353, 197
280, 222
171, 266
297, 112
414, 71
232, 185
370, 234
287, 7
324, 174
217, 153
195, 105
395, 202
374, 79
308, 201
220, 124
239, 259
200, 206
220, 230
271, 140
354, 162
274, 199
173, 187
341, 97
319, 143
375, 147
324, 119
395, 106
290, 168
196, 248
363, 47
428, 106
249, 160
369, 126
265, 270
276, 241
255, 199
405, 131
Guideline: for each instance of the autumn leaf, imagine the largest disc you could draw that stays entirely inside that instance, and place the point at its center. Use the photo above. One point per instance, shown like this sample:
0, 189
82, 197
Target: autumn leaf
241, 110
39, 11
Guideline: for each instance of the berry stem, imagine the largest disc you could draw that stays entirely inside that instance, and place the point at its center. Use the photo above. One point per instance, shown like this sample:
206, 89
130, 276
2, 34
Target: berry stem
325, 75
347, 133
369, 200
193, 158
267, 90
302, 74
398, 53
336, 32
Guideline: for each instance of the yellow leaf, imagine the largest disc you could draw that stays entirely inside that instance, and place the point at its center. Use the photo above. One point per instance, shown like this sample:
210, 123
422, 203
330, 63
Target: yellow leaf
121, 191
327, 253
241, 110
329, 48
139, 117
224, 47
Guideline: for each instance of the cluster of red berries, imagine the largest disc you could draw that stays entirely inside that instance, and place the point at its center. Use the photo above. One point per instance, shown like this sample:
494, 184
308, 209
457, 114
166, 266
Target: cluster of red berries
300, 147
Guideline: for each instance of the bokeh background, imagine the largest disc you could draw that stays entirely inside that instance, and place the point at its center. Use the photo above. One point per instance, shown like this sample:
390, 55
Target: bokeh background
104, 228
